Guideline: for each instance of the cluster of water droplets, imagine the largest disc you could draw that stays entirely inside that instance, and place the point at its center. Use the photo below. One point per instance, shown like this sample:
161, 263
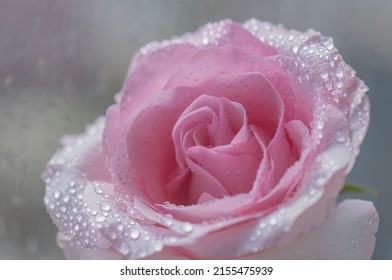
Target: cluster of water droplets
208, 35
315, 53
91, 214
320, 70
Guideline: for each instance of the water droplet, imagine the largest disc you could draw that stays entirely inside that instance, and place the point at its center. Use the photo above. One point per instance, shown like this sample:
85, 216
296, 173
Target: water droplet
98, 189
158, 246
135, 234
173, 240
76, 227
339, 73
124, 249
312, 192
321, 180
105, 206
187, 227
56, 194
329, 46
66, 198
167, 204
273, 221
168, 222
324, 75
320, 125
263, 225
294, 48
100, 218
120, 227
94, 212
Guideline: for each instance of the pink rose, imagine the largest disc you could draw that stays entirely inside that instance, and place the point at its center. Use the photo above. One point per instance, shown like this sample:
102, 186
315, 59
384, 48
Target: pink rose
230, 142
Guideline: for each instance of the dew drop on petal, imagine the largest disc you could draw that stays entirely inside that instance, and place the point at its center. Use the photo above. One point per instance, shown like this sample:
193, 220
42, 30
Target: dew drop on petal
324, 75
339, 73
294, 48
273, 221
187, 227
56, 194
98, 189
124, 249
172, 240
120, 227
100, 218
158, 246
105, 206
263, 225
135, 234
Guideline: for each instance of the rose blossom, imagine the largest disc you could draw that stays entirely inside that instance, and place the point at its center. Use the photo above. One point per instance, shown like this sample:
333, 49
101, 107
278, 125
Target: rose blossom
230, 142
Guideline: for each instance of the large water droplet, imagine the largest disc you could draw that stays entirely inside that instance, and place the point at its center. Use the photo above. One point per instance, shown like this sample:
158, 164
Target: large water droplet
98, 189
56, 194
158, 246
324, 75
100, 218
168, 222
273, 221
120, 227
172, 240
187, 227
124, 249
339, 73
135, 234
105, 206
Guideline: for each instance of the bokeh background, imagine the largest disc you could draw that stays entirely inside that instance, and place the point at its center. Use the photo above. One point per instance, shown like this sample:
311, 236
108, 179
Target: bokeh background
61, 62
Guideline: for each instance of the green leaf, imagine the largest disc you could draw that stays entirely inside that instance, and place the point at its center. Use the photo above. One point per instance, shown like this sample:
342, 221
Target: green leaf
352, 188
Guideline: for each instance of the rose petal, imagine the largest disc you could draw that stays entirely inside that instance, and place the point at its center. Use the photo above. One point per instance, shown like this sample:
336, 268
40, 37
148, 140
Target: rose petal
146, 158
348, 233
158, 66
318, 65
73, 252
235, 179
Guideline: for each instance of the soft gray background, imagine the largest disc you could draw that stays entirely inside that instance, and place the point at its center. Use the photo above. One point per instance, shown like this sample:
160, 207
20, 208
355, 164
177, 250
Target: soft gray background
62, 61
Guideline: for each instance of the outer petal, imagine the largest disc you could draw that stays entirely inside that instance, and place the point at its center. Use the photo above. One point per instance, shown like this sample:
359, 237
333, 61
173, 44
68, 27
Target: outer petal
349, 233
73, 252
320, 67
158, 66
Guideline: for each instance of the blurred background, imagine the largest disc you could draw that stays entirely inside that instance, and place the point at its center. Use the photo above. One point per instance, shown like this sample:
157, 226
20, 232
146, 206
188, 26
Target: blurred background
61, 62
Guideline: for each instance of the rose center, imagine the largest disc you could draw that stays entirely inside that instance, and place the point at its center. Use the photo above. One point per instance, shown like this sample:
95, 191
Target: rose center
216, 152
